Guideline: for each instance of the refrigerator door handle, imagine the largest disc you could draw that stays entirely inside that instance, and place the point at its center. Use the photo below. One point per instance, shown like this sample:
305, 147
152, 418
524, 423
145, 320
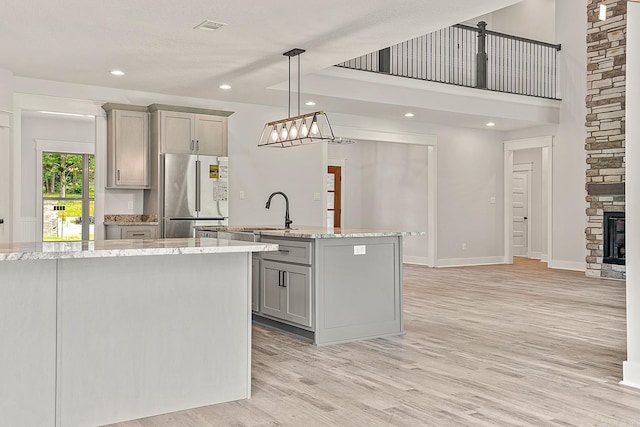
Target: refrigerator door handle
198, 183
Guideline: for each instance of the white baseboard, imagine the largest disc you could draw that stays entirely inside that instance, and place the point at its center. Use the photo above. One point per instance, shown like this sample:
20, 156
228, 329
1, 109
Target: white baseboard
630, 374
567, 265
544, 257
464, 262
418, 260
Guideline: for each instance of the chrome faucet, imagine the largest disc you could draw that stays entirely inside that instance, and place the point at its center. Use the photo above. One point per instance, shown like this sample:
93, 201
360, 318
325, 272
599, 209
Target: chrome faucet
287, 220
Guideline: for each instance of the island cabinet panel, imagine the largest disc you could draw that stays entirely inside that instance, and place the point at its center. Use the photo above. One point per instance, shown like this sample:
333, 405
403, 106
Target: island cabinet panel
359, 288
287, 292
28, 352
166, 333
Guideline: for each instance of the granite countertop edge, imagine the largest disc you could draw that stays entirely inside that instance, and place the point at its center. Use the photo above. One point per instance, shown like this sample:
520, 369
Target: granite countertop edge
134, 247
303, 232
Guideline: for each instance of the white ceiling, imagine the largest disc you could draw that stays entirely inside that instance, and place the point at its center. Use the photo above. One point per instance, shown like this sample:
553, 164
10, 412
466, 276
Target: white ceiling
154, 43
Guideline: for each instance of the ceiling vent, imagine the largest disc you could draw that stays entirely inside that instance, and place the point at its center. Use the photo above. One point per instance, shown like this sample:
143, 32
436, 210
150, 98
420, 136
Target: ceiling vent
209, 25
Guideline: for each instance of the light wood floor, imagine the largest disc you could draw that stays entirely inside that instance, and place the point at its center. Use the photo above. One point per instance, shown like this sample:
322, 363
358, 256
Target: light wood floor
484, 346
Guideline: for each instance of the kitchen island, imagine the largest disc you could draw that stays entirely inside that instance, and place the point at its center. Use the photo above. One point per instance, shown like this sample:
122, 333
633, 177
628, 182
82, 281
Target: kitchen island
101, 332
327, 285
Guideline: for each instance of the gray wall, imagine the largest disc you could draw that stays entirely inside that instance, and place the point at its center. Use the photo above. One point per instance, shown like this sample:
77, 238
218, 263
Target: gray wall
386, 188
469, 176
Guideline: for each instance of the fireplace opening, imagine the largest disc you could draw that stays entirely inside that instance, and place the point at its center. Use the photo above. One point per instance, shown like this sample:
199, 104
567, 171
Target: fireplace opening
614, 250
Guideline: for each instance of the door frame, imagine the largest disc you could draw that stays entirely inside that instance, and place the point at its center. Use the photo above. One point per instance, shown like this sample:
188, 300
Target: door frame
55, 146
339, 163
526, 168
25, 102
546, 144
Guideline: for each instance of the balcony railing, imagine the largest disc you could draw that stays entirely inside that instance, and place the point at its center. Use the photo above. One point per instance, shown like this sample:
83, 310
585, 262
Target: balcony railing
472, 57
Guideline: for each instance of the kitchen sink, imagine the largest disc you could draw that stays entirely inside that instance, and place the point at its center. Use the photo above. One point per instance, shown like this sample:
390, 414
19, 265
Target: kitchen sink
248, 234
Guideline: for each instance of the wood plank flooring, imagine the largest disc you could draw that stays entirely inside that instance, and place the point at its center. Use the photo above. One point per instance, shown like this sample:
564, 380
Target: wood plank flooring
516, 345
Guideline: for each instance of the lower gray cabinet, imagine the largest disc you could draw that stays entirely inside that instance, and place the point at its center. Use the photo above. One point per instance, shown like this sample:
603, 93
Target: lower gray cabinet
118, 231
286, 292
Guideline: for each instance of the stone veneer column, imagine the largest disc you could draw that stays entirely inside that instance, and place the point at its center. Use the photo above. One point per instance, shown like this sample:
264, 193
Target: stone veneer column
605, 123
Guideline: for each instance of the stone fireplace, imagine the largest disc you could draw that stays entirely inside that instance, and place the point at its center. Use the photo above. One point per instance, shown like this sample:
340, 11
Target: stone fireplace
605, 143
614, 238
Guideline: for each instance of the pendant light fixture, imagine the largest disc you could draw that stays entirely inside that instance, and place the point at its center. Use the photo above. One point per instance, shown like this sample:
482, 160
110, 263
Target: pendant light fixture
302, 129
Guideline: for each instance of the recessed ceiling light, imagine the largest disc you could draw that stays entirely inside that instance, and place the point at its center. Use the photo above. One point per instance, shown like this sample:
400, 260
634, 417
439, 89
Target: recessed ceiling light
409, 115
117, 72
310, 103
209, 25
491, 124
225, 86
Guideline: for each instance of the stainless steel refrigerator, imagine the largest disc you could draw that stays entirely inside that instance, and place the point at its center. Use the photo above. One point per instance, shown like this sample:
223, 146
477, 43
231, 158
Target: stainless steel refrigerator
194, 191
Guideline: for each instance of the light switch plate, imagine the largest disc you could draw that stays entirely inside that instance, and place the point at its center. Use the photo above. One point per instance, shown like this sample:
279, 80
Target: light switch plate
130, 205
241, 194
360, 250
492, 200
316, 196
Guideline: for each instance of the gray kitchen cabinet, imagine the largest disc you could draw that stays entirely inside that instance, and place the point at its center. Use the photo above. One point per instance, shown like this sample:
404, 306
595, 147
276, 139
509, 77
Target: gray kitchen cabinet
121, 231
192, 133
127, 146
333, 288
287, 292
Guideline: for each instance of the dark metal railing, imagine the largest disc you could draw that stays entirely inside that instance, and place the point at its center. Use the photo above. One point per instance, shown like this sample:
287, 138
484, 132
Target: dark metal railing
472, 57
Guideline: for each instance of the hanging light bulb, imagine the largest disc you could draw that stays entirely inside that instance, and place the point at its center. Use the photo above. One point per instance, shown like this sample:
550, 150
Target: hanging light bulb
304, 131
274, 134
293, 131
314, 127
602, 14
284, 134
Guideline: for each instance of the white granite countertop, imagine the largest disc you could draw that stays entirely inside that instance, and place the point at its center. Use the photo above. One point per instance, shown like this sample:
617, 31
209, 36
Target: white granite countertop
304, 232
134, 247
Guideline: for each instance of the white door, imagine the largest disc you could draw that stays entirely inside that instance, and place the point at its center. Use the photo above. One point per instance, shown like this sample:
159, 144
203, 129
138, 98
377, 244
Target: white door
520, 207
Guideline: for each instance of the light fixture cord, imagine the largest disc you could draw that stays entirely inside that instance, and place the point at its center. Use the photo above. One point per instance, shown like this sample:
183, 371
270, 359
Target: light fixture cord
289, 98
298, 84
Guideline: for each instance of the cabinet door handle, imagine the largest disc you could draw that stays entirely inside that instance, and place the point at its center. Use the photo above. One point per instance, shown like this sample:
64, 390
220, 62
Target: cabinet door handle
191, 146
118, 175
284, 251
285, 279
197, 146
279, 278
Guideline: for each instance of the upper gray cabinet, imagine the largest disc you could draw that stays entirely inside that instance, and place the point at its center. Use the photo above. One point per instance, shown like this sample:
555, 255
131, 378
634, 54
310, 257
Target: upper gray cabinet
185, 130
127, 146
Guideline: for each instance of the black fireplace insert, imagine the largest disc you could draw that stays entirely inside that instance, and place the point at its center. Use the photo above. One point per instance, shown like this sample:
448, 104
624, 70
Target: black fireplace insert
614, 250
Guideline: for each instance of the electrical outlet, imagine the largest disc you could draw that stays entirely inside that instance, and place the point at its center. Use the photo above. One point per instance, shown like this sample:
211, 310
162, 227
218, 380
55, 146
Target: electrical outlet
241, 194
360, 250
492, 200
130, 205
316, 196
464, 246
